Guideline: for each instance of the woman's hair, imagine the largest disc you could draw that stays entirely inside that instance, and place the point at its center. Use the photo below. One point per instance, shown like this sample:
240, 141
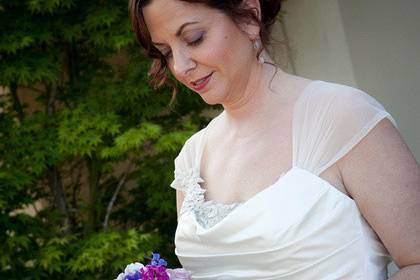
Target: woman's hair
232, 8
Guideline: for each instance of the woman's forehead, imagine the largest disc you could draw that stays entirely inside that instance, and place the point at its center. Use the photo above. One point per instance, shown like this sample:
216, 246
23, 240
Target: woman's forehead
167, 16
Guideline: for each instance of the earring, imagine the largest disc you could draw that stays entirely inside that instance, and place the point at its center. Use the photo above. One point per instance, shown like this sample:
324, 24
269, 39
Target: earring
257, 44
261, 59
258, 47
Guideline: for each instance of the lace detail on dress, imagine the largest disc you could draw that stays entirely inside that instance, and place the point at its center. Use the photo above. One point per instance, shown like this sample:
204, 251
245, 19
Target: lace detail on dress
208, 213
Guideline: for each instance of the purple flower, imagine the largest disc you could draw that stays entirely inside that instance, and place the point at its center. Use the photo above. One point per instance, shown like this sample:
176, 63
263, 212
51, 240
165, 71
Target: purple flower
156, 260
156, 270
131, 272
135, 276
153, 272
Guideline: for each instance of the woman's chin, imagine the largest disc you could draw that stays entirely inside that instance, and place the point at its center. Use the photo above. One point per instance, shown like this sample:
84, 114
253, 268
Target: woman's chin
208, 97
212, 96
209, 101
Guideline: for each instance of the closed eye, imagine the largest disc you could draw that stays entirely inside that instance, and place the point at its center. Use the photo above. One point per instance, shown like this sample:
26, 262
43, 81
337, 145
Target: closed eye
197, 41
193, 43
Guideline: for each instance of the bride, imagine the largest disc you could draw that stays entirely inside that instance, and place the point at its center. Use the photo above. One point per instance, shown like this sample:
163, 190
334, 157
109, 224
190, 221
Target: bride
295, 179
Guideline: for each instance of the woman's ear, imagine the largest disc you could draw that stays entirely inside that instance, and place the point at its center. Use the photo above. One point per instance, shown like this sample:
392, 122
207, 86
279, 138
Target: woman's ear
251, 27
253, 5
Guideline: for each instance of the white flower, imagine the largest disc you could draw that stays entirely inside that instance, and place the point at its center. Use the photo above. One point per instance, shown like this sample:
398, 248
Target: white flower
132, 268
120, 276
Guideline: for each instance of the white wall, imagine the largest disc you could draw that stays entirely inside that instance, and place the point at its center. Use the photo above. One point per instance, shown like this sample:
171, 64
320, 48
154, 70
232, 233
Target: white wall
384, 43
317, 41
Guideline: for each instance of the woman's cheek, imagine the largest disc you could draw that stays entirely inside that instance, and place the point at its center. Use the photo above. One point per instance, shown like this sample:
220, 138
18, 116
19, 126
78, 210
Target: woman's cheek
213, 55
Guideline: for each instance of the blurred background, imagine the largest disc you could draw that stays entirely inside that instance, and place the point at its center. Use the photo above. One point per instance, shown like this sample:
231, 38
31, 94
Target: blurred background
87, 147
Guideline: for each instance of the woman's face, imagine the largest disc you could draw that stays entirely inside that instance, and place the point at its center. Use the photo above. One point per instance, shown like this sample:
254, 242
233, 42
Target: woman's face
205, 49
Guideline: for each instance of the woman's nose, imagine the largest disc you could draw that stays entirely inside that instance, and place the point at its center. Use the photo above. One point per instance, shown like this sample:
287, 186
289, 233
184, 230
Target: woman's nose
182, 63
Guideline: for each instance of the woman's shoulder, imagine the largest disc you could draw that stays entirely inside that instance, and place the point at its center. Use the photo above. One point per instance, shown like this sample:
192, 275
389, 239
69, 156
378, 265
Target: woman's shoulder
340, 94
334, 100
330, 120
325, 90
192, 148
197, 138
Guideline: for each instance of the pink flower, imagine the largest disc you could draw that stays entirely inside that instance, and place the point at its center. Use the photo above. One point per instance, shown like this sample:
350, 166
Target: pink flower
179, 274
154, 272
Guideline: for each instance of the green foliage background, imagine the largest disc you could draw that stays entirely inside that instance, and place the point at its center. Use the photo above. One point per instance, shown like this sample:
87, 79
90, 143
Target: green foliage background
97, 133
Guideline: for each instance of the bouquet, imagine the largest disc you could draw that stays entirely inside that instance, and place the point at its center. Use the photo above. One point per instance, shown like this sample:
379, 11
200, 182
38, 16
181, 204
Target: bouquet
155, 270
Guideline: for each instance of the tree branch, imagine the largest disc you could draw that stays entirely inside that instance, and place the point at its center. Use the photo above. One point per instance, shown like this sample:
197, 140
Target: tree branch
56, 186
17, 106
93, 166
55, 181
114, 197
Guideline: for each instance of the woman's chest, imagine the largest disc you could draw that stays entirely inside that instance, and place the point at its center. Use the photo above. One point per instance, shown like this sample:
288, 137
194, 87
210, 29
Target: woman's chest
234, 171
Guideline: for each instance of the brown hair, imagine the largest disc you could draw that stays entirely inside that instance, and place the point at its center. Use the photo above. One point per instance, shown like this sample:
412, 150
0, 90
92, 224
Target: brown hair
232, 8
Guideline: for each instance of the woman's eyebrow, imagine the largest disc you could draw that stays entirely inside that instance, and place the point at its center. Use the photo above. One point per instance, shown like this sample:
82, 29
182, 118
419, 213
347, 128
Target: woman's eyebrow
179, 31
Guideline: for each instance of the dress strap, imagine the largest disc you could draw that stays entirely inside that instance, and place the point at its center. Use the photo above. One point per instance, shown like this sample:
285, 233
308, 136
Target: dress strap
202, 141
329, 121
188, 161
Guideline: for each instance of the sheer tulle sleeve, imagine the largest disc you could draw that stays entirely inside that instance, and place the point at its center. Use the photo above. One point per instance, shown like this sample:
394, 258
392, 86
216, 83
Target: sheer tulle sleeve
329, 120
187, 162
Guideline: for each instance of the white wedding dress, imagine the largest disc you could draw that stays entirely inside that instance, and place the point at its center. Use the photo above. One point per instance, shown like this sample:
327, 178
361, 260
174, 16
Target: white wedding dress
301, 227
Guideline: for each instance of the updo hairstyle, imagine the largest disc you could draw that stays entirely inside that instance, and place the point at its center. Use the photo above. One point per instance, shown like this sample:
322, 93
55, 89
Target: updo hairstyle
232, 8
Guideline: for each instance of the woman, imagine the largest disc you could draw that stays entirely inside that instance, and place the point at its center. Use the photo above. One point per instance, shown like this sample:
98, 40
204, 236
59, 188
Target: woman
295, 179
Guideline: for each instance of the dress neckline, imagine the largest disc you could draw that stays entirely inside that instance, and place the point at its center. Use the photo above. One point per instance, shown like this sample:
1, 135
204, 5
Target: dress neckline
203, 142
253, 200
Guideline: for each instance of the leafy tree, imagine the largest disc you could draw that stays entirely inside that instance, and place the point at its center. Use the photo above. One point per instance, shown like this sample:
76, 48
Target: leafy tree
96, 147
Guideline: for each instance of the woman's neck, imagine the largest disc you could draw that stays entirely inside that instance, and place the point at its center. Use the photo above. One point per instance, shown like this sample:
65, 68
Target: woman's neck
256, 104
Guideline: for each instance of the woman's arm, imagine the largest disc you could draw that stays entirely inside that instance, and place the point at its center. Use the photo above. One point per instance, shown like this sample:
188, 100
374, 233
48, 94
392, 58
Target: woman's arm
407, 272
382, 176
179, 200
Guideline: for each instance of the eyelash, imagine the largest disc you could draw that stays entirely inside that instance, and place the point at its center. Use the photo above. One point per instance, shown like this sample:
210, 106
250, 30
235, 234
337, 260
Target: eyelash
197, 41
192, 44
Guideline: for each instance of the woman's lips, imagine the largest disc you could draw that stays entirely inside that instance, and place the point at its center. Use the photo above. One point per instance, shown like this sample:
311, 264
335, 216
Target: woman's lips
201, 83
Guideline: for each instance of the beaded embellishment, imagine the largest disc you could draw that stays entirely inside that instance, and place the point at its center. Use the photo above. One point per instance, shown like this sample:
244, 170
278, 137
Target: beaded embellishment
207, 212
